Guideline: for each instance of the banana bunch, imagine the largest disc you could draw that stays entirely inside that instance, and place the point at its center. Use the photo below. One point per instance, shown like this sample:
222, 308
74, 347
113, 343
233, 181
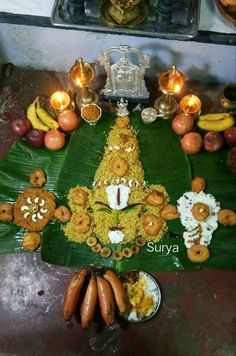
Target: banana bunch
216, 122
40, 119
104, 289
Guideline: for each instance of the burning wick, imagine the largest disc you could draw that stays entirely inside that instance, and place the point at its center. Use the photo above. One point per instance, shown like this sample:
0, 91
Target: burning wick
190, 104
60, 100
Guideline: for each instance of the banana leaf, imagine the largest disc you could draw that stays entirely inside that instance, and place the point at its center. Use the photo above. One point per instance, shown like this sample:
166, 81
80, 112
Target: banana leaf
164, 163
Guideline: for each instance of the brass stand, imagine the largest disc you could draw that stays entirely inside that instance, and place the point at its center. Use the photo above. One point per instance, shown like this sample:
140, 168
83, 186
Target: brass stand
170, 83
86, 96
82, 74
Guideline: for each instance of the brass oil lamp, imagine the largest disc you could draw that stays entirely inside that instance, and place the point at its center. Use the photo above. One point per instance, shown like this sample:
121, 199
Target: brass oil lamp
170, 83
82, 74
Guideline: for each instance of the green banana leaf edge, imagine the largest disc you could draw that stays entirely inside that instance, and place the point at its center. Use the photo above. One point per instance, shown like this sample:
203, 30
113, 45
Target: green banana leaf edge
164, 163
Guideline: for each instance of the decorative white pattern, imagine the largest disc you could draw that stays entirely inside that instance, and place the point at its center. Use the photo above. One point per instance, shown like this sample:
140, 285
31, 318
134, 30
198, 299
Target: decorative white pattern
208, 226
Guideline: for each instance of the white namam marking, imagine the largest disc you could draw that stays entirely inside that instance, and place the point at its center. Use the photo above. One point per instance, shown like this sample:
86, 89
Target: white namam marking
112, 195
36, 200
29, 200
26, 215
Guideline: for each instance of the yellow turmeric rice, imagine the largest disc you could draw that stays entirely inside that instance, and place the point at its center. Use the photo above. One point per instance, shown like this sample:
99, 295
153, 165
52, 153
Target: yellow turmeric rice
121, 143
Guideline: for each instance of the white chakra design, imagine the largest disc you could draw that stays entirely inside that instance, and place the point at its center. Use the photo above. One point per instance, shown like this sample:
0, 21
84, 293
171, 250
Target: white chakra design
198, 229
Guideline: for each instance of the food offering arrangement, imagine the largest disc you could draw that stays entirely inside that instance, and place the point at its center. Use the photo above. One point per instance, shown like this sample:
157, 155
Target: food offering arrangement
96, 294
121, 208
121, 213
46, 125
95, 190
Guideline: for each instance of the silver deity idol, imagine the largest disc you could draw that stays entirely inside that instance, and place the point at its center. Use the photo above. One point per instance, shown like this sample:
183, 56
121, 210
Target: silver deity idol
122, 109
124, 78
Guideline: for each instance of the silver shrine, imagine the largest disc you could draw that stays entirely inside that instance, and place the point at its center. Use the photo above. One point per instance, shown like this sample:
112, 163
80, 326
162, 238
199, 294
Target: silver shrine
124, 78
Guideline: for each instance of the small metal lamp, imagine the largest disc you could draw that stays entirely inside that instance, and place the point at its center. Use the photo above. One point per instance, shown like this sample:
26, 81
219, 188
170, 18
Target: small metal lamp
82, 74
170, 83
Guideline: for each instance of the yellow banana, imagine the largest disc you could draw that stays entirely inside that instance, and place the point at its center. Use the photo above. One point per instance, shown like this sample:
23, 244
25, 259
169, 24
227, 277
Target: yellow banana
215, 117
45, 117
217, 125
32, 117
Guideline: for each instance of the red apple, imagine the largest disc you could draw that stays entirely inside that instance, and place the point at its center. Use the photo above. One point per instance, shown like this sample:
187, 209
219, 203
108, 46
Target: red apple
68, 120
54, 140
35, 138
19, 127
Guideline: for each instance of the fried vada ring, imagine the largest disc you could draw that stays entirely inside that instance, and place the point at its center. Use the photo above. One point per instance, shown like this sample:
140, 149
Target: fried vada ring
31, 241
6, 212
198, 184
155, 198
62, 213
200, 211
169, 212
80, 197
227, 217
119, 166
81, 222
122, 122
198, 253
152, 224
37, 178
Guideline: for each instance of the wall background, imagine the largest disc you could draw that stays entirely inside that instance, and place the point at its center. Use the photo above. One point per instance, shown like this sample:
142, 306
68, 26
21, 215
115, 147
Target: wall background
57, 49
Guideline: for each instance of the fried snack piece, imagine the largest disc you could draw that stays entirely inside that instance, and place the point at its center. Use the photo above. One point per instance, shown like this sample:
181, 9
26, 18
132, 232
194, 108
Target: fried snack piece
227, 217
62, 213
155, 198
122, 122
127, 252
105, 252
117, 255
169, 212
37, 178
34, 209
198, 253
198, 184
81, 222
80, 197
231, 160
129, 142
200, 211
6, 212
97, 248
31, 241
152, 224
140, 241
119, 166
